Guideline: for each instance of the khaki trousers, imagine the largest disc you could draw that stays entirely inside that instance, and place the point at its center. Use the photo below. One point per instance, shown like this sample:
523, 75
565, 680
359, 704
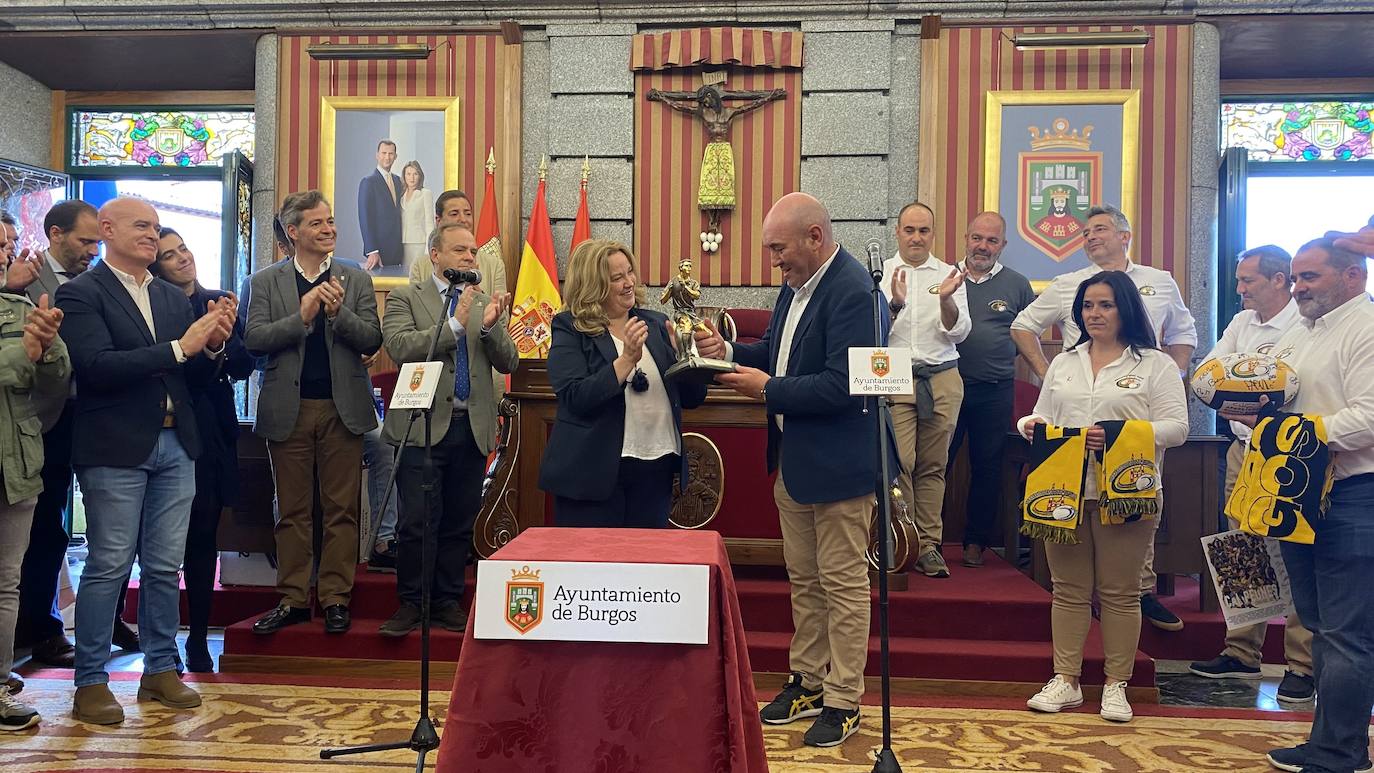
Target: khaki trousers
823, 546
923, 453
319, 446
1105, 559
1246, 644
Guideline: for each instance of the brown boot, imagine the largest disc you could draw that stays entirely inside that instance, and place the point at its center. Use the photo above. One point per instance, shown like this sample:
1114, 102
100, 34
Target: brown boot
95, 704
167, 689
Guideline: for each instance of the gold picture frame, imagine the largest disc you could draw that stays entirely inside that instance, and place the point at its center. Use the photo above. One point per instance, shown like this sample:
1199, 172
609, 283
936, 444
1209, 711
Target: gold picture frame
331, 132
999, 151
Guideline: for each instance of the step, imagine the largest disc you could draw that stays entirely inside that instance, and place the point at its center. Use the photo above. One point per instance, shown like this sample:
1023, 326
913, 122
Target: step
361, 641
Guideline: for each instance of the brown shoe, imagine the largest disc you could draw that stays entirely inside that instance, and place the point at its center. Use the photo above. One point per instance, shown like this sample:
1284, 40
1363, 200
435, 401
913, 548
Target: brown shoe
95, 704
57, 651
973, 555
167, 689
449, 617
124, 637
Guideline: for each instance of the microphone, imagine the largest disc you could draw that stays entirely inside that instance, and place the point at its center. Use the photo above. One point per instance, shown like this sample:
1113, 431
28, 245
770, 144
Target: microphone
875, 258
458, 276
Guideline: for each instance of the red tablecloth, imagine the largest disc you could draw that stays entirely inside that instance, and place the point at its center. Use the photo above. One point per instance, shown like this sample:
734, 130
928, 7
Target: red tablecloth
570, 707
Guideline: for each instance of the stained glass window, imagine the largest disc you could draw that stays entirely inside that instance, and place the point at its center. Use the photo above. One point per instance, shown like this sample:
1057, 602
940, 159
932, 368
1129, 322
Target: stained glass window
1300, 131
152, 138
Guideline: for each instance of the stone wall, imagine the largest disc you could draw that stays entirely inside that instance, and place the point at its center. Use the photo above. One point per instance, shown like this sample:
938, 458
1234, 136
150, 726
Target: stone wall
25, 118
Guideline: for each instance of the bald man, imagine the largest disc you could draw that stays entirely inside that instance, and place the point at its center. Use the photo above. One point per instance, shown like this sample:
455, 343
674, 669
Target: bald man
800, 369
134, 343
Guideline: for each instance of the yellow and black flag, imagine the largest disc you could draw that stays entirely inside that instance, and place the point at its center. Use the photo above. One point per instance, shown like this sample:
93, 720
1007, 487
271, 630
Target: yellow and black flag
1285, 478
1054, 488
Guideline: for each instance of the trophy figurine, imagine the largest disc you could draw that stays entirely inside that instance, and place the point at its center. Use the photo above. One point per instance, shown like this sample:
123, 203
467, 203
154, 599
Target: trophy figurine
684, 292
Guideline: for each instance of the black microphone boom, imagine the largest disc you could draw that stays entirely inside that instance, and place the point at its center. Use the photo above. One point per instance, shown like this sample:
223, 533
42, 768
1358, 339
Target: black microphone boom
458, 276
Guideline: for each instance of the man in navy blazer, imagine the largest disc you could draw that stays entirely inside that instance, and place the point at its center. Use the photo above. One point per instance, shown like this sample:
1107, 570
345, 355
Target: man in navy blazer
379, 211
134, 344
821, 442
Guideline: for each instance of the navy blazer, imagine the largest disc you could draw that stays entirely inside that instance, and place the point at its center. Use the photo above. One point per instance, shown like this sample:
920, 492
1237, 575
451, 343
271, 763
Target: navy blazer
379, 217
582, 458
827, 450
217, 418
124, 373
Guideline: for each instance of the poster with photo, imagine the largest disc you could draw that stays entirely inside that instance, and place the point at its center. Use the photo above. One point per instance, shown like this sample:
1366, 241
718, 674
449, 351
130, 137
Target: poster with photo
1250, 578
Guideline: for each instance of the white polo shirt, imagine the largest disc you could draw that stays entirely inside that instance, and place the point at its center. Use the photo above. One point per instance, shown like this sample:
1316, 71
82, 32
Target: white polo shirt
1172, 322
1247, 334
918, 326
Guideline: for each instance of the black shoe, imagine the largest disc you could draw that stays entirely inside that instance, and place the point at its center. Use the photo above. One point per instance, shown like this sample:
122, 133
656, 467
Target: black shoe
1296, 688
279, 618
124, 637
449, 616
198, 660
336, 619
1292, 759
1159, 615
403, 621
383, 560
1224, 667
793, 703
57, 651
832, 727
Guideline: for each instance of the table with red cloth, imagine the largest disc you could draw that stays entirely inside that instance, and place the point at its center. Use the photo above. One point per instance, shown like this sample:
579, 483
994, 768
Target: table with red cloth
609, 707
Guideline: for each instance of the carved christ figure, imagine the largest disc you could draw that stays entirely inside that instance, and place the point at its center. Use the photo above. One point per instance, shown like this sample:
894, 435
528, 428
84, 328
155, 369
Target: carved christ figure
716, 188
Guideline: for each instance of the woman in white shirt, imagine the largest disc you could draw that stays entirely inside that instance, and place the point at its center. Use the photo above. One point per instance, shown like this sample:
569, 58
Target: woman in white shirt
1113, 372
617, 435
417, 215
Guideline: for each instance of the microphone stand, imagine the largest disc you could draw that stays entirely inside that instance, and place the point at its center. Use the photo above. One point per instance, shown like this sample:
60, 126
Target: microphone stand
886, 760
424, 738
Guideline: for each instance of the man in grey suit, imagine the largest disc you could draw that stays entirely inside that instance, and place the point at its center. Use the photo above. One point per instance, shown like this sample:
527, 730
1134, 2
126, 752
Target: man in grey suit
313, 319
462, 424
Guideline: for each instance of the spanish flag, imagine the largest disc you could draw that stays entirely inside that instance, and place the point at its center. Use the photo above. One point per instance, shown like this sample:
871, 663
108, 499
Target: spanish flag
536, 286
582, 226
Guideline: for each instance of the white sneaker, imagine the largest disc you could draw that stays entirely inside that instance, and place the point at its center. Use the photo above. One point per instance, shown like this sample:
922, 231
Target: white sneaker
1115, 707
13, 714
1056, 695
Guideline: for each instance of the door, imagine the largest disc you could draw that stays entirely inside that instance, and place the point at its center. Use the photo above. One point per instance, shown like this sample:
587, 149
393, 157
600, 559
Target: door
1231, 234
237, 244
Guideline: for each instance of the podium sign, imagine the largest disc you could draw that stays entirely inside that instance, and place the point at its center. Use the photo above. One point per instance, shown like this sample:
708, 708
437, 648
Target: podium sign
592, 601
415, 386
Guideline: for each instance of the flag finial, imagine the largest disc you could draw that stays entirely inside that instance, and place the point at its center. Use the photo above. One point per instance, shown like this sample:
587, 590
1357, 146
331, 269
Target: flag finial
586, 170
491, 160
543, 168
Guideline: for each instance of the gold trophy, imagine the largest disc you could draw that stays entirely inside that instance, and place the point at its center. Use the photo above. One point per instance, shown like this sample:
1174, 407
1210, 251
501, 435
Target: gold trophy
684, 292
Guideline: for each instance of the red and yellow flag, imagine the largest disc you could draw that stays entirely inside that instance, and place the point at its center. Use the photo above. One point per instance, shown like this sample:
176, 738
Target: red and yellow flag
536, 286
582, 226
488, 225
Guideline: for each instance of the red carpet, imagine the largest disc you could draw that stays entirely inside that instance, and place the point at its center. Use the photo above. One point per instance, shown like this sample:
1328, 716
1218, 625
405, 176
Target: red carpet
1204, 633
990, 624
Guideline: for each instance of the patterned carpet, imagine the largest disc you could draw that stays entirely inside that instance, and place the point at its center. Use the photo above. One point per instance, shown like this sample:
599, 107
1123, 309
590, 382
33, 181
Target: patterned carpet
283, 727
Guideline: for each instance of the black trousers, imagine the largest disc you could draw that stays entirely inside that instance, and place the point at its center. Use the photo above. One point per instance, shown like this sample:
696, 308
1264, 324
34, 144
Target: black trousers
200, 559
642, 497
457, 496
984, 418
38, 618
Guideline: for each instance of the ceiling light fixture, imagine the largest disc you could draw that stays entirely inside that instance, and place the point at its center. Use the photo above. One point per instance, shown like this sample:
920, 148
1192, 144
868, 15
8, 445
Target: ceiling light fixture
1025, 41
364, 51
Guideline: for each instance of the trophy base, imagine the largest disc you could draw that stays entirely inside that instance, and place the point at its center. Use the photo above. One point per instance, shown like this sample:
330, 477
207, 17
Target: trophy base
698, 370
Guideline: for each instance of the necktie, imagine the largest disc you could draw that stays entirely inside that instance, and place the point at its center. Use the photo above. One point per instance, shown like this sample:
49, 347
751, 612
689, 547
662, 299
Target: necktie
462, 380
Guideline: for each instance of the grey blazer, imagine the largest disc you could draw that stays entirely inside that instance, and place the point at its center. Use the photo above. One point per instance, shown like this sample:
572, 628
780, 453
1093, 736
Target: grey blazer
275, 331
412, 312
49, 405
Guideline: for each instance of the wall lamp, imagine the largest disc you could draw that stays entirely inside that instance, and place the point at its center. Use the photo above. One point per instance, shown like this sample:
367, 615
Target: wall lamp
1029, 41
353, 52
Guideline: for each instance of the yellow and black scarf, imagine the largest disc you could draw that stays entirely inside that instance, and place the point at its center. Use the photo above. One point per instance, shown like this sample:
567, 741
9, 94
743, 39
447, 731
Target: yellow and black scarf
1128, 482
1284, 479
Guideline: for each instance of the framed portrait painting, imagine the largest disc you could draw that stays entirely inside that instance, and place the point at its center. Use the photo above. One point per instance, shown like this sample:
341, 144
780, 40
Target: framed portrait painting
383, 162
1051, 156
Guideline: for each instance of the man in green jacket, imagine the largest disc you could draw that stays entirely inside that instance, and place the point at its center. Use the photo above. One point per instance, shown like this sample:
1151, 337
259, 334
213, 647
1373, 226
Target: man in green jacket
33, 365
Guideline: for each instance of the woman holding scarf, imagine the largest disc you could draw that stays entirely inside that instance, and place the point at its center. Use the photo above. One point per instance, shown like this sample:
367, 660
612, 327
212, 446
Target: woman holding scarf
1109, 406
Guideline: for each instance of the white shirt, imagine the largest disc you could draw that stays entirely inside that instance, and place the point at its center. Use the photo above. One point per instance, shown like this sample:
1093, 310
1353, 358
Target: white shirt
918, 326
324, 266
57, 268
1334, 358
138, 290
992, 272
1144, 386
1247, 334
1173, 323
794, 314
649, 429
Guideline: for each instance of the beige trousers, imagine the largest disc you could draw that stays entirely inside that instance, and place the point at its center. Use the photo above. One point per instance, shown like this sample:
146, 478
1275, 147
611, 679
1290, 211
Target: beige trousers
923, 453
1106, 560
1246, 644
823, 546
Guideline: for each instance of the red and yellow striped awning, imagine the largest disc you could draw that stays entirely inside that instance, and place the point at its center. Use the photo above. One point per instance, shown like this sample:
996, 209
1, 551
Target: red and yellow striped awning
743, 46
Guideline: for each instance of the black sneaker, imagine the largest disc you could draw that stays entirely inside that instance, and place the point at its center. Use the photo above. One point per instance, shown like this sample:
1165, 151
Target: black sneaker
405, 620
14, 715
832, 727
1292, 759
793, 703
1296, 688
1224, 667
1159, 615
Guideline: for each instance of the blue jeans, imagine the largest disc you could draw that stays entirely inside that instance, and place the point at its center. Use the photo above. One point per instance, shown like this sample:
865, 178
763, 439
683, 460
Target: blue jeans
1331, 581
380, 460
155, 496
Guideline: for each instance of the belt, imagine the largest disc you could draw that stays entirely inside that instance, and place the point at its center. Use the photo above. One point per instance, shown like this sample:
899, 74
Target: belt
169, 421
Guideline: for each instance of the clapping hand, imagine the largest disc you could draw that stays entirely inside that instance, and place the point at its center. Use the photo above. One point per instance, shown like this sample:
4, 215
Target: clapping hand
898, 287
40, 328
332, 296
22, 271
495, 308
952, 282
636, 333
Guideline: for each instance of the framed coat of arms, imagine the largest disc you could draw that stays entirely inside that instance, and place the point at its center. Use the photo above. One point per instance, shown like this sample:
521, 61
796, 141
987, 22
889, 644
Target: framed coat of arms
1050, 157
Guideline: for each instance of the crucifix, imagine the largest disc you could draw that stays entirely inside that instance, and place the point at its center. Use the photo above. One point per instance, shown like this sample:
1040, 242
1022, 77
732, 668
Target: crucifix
716, 186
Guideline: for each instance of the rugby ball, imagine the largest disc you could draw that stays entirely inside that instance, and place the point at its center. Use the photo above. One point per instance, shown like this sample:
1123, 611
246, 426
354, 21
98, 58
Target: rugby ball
1234, 383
